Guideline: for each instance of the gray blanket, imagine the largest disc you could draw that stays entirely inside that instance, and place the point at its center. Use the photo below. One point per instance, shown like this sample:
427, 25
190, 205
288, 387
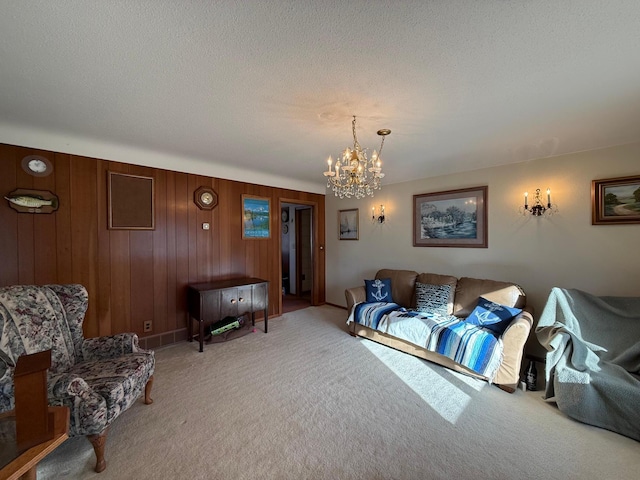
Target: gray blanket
593, 359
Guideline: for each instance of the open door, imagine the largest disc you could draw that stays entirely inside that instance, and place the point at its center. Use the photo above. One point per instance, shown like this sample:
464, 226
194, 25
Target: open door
297, 259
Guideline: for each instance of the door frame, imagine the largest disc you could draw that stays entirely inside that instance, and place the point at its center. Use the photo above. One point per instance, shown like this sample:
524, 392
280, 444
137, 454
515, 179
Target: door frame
317, 251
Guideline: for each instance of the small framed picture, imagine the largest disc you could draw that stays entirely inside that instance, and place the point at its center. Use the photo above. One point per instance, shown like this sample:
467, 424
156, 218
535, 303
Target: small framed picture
615, 201
256, 217
348, 226
455, 218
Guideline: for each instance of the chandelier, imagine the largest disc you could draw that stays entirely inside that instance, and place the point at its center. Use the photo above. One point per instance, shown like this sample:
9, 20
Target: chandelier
355, 175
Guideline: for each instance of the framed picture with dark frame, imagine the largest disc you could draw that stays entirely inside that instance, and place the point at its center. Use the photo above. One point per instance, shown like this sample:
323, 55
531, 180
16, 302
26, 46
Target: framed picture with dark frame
348, 224
131, 202
454, 218
256, 217
615, 200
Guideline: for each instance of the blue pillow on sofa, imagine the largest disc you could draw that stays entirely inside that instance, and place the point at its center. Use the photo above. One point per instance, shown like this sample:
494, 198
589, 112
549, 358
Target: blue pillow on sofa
492, 316
378, 290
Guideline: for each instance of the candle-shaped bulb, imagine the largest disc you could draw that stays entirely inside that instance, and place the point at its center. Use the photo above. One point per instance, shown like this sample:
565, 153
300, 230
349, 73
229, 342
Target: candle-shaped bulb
526, 197
329, 162
549, 197
382, 210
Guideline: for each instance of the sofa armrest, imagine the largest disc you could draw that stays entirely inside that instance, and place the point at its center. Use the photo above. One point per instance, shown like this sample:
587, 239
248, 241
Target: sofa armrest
514, 339
101, 348
354, 295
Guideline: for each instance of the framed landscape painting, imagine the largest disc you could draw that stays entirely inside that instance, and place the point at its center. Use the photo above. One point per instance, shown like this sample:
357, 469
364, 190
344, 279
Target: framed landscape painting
615, 200
454, 218
256, 217
348, 224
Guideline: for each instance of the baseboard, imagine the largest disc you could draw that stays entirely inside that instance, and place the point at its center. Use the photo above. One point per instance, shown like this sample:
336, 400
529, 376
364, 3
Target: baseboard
162, 339
335, 305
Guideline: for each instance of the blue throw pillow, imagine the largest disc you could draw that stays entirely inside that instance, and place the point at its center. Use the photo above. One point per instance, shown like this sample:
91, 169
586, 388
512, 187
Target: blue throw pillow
378, 290
492, 316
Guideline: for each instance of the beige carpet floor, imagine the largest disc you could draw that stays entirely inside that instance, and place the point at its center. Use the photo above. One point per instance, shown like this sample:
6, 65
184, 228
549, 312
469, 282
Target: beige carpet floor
308, 401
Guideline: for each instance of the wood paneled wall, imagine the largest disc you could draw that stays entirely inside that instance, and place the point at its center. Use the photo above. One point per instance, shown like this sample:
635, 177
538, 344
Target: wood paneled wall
132, 275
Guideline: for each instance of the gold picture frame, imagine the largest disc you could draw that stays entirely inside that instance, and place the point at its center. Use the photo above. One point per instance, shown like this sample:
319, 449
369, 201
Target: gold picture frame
615, 201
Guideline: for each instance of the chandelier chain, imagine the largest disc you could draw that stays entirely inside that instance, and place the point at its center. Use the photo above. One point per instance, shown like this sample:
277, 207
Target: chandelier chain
356, 145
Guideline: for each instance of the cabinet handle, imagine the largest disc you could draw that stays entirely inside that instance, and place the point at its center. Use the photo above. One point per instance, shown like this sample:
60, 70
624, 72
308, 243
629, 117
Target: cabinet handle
233, 300
241, 299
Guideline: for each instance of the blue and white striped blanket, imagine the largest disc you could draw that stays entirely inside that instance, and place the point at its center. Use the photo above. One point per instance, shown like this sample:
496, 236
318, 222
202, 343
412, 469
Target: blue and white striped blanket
449, 336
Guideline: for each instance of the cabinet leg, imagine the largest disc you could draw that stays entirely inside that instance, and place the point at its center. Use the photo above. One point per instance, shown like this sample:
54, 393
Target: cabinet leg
190, 328
201, 336
266, 320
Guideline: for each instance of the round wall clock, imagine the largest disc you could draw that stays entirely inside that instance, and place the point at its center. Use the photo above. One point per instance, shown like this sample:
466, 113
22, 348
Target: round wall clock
205, 198
285, 229
37, 165
285, 216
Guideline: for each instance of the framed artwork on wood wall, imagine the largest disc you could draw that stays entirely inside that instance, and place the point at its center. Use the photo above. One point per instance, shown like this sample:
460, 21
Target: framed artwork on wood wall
131, 202
256, 218
615, 200
454, 218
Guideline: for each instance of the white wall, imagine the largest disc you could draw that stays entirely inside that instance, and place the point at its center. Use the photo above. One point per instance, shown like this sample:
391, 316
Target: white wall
564, 250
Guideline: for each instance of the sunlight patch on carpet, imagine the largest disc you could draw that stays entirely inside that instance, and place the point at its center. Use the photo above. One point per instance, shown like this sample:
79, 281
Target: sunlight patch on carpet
427, 381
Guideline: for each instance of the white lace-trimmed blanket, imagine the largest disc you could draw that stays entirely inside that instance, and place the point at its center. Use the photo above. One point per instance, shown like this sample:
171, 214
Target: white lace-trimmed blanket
449, 336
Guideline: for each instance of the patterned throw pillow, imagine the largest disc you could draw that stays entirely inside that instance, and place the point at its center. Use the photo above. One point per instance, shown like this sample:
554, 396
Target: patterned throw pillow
378, 290
432, 298
492, 316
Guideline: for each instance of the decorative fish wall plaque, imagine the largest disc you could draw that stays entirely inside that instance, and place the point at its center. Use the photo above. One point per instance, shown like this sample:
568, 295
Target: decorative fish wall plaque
32, 201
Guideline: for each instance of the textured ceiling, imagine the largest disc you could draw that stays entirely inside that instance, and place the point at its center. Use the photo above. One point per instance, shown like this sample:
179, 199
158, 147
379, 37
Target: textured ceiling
219, 87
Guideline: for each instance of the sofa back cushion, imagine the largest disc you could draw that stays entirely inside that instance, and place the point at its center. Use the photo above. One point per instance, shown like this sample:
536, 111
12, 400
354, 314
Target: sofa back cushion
402, 285
436, 279
469, 290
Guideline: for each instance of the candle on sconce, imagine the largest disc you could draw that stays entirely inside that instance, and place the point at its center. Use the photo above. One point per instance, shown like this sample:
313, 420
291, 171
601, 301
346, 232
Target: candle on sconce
526, 197
549, 197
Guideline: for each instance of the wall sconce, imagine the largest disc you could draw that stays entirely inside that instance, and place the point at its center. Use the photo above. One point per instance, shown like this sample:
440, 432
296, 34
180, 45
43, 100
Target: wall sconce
379, 217
537, 209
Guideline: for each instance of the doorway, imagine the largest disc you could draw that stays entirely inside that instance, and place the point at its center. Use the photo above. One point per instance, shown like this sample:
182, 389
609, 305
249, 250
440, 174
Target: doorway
296, 255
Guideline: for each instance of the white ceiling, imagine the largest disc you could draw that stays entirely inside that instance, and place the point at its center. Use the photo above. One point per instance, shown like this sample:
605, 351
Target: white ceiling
219, 87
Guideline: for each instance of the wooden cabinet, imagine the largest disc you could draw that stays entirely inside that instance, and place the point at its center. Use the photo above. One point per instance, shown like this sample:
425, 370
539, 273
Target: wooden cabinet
213, 301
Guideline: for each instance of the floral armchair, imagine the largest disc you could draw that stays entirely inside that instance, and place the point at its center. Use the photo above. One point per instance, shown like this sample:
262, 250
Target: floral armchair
97, 378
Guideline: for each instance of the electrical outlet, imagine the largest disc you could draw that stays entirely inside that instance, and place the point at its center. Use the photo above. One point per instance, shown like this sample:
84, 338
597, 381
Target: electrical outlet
147, 326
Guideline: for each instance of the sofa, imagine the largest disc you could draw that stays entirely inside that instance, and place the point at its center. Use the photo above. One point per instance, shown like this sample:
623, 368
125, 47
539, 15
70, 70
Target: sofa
465, 294
97, 378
